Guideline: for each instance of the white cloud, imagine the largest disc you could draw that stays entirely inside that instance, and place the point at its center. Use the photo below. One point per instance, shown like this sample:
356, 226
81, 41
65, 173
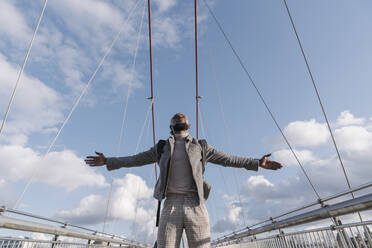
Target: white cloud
231, 220
88, 15
62, 169
73, 63
70, 44
41, 236
287, 158
258, 188
16, 139
13, 24
258, 181
171, 29
129, 194
325, 173
122, 75
306, 133
2, 183
164, 5
346, 118
355, 141
262, 198
35, 107
166, 32
94, 24
91, 209
51, 47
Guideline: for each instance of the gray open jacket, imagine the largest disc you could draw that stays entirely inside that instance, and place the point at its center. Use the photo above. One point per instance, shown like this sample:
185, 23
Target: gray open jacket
194, 152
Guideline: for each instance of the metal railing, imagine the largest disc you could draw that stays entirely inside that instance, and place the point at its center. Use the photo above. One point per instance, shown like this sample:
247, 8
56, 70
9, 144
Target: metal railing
325, 211
356, 235
92, 237
30, 243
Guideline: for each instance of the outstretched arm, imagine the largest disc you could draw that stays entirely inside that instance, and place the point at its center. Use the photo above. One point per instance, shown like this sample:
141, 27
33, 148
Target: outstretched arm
221, 158
113, 163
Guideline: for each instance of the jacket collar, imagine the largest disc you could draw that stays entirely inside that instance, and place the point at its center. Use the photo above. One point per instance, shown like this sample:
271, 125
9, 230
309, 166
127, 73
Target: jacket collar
188, 138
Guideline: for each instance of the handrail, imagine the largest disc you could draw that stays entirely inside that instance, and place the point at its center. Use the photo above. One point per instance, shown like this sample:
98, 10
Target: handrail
332, 227
42, 241
319, 201
4, 209
350, 206
23, 225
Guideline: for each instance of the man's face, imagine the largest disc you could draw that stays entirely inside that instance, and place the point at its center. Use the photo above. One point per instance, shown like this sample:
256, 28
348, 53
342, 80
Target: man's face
179, 124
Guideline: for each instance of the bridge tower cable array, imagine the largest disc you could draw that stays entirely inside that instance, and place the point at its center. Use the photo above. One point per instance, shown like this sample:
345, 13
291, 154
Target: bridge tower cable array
319, 99
225, 126
22, 68
145, 124
198, 97
76, 103
212, 200
260, 96
123, 121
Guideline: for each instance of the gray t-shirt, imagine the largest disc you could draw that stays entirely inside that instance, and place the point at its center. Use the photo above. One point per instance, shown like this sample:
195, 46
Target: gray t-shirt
180, 179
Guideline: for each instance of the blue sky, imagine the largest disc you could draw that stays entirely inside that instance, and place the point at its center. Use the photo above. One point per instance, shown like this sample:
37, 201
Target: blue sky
73, 38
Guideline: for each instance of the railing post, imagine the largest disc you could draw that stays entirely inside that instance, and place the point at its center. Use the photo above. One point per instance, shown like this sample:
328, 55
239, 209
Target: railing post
341, 237
367, 234
2, 210
55, 239
282, 239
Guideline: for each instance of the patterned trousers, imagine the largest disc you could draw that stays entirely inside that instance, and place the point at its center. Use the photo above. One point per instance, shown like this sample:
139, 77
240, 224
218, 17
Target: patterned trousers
183, 212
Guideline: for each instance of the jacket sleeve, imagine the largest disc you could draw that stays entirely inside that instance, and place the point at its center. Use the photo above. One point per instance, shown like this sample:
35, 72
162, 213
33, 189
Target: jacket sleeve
227, 160
140, 159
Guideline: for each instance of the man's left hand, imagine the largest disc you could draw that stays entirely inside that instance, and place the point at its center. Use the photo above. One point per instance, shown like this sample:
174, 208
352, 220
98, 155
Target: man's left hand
269, 164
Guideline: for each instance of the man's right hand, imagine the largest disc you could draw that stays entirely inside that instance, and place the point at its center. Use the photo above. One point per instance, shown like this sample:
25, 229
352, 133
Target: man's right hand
96, 160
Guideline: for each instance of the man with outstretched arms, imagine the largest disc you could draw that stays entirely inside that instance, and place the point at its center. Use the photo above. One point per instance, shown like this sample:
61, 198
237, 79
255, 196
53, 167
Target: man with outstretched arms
181, 160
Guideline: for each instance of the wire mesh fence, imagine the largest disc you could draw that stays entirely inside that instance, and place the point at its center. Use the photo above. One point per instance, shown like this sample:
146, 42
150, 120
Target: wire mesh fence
31, 243
357, 235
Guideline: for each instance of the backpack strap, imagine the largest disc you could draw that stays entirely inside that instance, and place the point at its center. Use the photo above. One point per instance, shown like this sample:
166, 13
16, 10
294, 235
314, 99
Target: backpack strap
158, 214
159, 151
203, 143
160, 148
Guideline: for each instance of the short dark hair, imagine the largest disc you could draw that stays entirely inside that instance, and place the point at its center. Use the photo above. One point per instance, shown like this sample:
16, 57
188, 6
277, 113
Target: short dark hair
178, 117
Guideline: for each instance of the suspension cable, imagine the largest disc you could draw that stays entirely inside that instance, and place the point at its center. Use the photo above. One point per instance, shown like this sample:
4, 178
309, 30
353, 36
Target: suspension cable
319, 99
124, 116
144, 126
197, 97
130, 84
23, 67
260, 95
152, 82
134, 227
77, 103
225, 126
146, 121
219, 168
